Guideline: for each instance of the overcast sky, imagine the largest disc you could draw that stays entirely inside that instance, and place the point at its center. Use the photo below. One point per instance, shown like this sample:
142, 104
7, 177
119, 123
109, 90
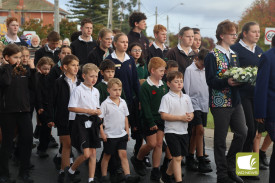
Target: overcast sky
204, 14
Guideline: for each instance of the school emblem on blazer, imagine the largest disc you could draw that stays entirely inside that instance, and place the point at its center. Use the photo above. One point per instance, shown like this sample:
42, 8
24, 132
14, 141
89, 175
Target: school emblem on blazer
118, 66
259, 55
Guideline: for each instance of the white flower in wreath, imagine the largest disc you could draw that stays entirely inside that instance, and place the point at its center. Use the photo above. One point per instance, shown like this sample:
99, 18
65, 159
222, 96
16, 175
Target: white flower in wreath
236, 76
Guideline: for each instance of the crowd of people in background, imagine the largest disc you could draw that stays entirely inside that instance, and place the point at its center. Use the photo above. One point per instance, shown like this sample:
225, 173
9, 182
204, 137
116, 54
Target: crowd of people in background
120, 87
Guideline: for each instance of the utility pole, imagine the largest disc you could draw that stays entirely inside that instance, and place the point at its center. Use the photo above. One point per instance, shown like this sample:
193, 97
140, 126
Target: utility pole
168, 41
110, 15
138, 5
56, 15
156, 15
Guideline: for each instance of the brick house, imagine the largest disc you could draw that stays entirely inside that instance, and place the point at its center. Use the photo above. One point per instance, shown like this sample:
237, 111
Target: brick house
24, 10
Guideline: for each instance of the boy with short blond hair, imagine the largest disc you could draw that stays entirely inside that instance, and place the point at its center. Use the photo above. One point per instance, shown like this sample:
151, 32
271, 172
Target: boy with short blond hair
151, 92
115, 133
177, 110
158, 48
84, 104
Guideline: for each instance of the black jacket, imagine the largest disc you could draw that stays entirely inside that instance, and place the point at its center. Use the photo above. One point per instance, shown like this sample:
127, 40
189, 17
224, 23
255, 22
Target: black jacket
153, 52
54, 74
22, 43
81, 49
42, 87
139, 38
181, 58
45, 52
14, 90
96, 55
59, 102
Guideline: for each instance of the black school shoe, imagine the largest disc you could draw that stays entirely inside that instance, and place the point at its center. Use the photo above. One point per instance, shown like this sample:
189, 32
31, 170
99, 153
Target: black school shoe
117, 177
42, 154
146, 161
52, 143
61, 177
24, 178
166, 178
4, 179
139, 166
57, 162
225, 180
132, 179
263, 159
105, 179
155, 174
191, 163
232, 175
203, 166
72, 178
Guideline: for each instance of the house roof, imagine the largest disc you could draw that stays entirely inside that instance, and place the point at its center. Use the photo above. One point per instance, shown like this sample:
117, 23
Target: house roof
30, 6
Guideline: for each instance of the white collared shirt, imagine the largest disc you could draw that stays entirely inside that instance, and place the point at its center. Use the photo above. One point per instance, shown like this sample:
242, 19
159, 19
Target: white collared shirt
156, 46
150, 82
126, 56
72, 86
180, 48
9, 40
103, 81
51, 49
196, 87
80, 39
173, 104
224, 51
247, 47
84, 97
114, 117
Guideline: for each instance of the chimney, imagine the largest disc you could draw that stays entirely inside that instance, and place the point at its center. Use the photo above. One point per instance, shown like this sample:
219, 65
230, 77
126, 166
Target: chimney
21, 3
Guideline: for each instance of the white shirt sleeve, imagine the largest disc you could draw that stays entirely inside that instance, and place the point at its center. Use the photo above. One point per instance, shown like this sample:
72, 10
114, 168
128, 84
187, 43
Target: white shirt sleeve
189, 104
164, 105
126, 111
103, 110
98, 103
187, 81
74, 98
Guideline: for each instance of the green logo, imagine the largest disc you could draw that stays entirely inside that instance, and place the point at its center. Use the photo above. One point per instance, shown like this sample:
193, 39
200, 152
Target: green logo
247, 164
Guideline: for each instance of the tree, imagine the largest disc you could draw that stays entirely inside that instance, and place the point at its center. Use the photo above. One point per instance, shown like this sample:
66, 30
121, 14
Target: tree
97, 10
263, 12
67, 28
37, 26
207, 43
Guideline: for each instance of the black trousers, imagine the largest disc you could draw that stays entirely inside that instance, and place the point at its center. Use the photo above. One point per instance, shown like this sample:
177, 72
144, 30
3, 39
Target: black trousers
44, 137
9, 122
223, 118
248, 108
272, 166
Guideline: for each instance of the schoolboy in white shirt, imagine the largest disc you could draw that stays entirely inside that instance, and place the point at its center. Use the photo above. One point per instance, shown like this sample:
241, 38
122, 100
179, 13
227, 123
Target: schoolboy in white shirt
177, 110
196, 87
84, 102
115, 133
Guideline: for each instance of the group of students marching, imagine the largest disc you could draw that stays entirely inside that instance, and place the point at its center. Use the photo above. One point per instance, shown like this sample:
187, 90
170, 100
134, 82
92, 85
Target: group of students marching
93, 90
